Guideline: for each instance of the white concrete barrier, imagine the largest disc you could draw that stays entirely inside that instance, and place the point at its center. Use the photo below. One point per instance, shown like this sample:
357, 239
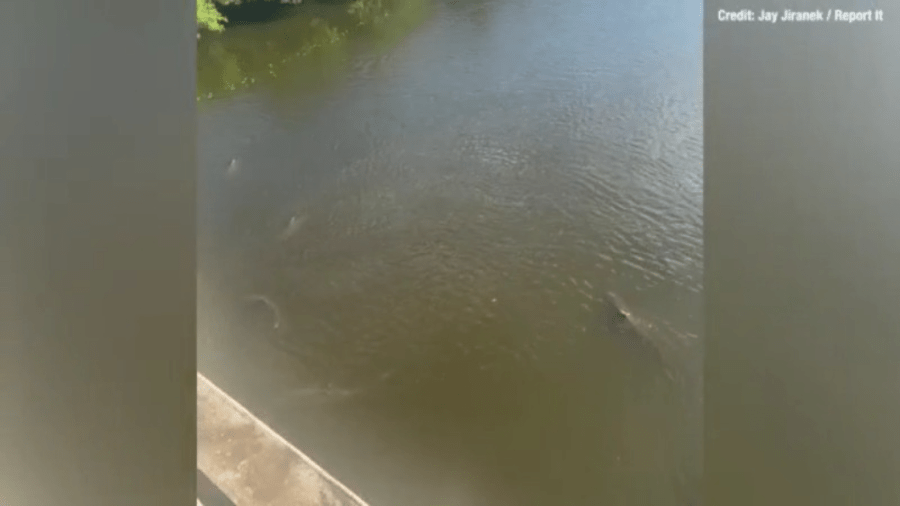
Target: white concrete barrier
253, 465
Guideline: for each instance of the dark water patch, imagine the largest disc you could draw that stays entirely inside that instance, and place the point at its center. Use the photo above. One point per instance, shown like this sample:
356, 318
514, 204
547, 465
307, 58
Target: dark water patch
257, 11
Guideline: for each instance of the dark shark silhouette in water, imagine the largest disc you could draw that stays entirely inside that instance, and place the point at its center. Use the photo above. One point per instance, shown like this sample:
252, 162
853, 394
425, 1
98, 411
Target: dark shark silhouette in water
619, 324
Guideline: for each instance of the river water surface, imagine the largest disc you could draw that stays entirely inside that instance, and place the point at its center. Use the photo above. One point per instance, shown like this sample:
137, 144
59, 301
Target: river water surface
409, 230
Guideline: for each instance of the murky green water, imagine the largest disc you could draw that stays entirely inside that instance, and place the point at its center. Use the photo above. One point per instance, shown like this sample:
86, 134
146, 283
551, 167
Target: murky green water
434, 199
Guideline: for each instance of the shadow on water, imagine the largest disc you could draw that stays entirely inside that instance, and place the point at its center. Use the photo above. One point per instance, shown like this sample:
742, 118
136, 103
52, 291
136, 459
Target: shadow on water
257, 12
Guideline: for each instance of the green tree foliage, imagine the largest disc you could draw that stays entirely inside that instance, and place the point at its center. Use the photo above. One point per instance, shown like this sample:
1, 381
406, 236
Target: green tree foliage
209, 17
308, 50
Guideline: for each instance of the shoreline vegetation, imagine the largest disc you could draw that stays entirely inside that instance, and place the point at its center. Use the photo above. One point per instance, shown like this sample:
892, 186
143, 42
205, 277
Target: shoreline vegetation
304, 46
209, 17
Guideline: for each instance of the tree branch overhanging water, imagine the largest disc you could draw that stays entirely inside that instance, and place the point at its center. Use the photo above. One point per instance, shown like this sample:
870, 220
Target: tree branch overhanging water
209, 17
304, 46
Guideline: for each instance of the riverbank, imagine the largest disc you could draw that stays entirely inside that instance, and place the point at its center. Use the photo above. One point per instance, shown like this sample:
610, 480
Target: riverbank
212, 15
311, 43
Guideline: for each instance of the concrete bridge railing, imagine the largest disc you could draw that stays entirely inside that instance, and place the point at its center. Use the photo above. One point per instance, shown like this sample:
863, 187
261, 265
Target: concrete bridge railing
254, 466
